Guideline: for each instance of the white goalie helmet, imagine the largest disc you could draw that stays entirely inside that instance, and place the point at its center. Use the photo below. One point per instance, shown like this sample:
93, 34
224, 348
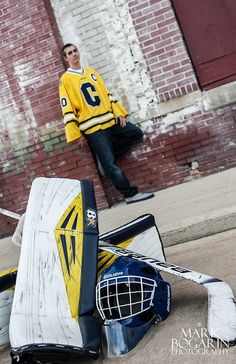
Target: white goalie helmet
122, 297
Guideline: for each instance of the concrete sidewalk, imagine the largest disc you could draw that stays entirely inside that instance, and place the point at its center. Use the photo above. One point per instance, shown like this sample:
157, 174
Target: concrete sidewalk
184, 212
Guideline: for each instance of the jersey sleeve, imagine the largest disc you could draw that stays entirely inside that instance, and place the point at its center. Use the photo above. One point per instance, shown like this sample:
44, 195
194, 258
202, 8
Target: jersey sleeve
117, 108
72, 130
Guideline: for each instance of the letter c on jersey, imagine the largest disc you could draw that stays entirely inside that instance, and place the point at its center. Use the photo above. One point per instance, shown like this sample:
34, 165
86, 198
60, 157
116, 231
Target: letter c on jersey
88, 89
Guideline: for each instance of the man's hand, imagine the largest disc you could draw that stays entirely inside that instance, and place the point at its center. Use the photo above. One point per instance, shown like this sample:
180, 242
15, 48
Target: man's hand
82, 142
122, 120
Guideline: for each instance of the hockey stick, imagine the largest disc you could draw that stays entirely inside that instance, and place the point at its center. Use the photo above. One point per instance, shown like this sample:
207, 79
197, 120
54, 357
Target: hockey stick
17, 236
221, 301
14, 215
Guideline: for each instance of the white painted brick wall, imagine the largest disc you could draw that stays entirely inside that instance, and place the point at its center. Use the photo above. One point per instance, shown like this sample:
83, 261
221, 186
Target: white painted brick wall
104, 33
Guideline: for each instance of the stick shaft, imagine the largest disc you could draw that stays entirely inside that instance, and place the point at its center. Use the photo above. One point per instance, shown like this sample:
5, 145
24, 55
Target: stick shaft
14, 215
157, 264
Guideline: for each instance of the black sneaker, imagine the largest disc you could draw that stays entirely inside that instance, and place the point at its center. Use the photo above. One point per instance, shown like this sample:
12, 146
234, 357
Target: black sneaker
139, 197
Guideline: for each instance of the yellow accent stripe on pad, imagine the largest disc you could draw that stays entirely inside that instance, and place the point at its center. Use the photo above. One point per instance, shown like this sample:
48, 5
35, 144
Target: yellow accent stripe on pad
106, 259
69, 238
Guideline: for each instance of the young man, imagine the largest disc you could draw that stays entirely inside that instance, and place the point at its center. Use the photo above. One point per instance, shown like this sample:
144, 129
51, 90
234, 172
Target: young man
92, 115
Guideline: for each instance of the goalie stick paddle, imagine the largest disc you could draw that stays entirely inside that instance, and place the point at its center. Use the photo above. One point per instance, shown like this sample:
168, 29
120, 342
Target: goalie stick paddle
221, 301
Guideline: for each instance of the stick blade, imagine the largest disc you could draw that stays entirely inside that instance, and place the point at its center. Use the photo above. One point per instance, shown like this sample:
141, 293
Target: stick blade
221, 312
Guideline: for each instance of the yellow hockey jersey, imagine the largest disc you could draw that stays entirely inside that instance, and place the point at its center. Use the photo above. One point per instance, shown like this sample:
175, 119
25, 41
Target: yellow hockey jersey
86, 103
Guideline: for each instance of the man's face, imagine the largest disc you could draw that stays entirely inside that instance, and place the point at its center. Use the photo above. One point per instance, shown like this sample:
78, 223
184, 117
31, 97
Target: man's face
72, 56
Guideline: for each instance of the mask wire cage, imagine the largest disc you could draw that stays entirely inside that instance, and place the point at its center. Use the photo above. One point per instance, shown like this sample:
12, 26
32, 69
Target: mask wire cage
125, 296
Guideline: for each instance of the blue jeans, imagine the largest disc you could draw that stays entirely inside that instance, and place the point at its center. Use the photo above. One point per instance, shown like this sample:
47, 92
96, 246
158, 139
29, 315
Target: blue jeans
111, 143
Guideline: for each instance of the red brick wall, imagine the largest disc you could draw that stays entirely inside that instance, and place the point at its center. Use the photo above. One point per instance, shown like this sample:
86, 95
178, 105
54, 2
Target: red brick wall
161, 41
166, 156
32, 135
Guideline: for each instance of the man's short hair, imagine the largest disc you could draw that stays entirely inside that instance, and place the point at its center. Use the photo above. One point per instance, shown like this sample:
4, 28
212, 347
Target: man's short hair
67, 45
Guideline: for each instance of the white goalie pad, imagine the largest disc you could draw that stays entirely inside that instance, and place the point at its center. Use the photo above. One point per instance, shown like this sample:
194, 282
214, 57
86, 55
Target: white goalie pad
139, 236
6, 298
50, 293
7, 285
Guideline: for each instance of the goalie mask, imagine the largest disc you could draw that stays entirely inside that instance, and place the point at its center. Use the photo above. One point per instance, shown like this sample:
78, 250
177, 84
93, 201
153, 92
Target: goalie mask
131, 296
